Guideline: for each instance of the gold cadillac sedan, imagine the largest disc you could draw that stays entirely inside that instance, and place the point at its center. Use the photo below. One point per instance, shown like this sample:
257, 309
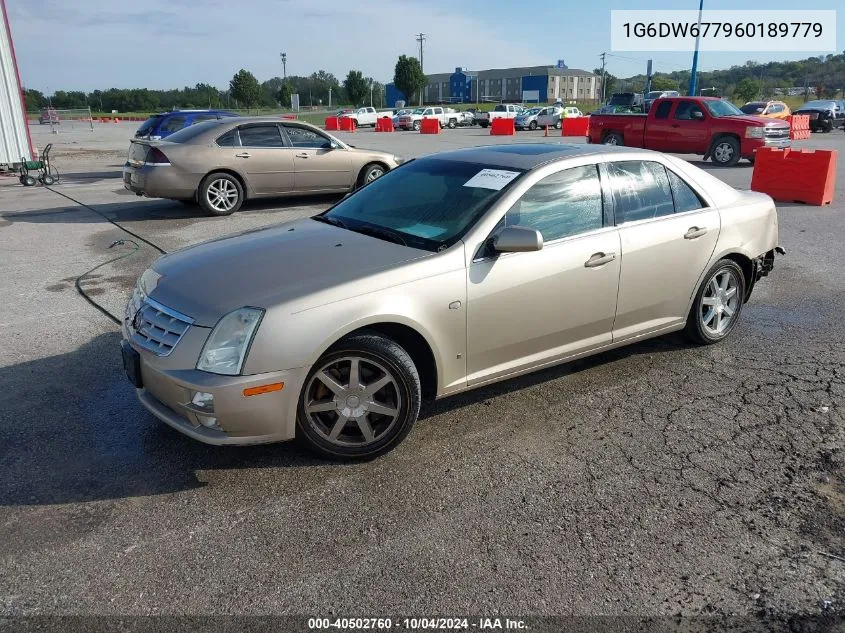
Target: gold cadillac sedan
221, 163
453, 271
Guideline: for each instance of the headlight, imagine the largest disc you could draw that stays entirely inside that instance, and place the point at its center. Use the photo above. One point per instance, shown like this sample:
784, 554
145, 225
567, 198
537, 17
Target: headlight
754, 132
148, 281
225, 350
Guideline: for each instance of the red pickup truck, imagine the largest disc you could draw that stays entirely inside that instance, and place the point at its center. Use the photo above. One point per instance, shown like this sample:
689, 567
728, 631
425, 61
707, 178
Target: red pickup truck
691, 125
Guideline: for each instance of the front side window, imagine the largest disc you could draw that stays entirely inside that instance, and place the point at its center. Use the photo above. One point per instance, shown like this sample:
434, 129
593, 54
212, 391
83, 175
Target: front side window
303, 137
685, 109
560, 205
641, 190
261, 136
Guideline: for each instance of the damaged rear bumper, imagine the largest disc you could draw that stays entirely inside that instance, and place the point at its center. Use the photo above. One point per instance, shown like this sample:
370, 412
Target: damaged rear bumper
761, 266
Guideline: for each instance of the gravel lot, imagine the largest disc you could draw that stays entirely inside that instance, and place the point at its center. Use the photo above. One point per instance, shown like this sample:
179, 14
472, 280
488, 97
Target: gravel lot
659, 479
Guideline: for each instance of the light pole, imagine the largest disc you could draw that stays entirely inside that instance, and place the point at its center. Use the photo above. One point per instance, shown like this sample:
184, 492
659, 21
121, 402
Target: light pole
284, 57
693, 78
371, 94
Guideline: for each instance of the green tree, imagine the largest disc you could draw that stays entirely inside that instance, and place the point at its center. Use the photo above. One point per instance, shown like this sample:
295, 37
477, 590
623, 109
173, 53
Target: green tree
34, 99
284, 94
661, 82
747, 89
609, 82
356, 87
408, 76
245, 88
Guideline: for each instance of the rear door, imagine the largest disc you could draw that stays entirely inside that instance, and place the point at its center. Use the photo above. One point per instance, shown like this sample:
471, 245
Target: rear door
264, 157
668, 234
318, 166
658, 125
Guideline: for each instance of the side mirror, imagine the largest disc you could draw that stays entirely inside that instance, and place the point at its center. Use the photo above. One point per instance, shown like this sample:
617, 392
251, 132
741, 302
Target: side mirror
333, 145
517, 239
697, 115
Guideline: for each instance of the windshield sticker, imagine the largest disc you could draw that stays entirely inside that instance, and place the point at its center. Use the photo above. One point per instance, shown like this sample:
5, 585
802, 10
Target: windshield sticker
424, 230
491, 179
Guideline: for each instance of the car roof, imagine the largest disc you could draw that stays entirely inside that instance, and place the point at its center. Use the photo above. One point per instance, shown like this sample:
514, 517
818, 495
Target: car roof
527, 155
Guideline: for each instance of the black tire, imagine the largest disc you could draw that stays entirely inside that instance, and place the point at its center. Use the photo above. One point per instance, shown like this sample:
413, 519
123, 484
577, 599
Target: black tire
405, 389
370, 172
484, 125
47, 180
29, 181
613, 139
417, 125
695, 328
453, 123
828, 127
208, 183
729, 154
532, 126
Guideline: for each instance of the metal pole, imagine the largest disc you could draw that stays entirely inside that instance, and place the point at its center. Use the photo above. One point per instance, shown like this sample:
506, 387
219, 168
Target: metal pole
90, 119
693, 78
602, 76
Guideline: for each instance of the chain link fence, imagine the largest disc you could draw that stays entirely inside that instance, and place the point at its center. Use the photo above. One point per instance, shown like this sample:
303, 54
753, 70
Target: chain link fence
71, 119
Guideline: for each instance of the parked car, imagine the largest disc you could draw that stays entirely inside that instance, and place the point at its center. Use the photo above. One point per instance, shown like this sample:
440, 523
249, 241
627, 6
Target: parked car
160, 126
49, 115
771, 109
824, 114
448, 117
396, 115
692, 125
221, 163
551, 116
501, 111
527, 119
571, 112
654, 95
368, 116
454, 271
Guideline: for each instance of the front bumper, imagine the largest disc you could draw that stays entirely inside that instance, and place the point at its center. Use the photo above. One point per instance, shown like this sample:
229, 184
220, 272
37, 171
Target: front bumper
750, 145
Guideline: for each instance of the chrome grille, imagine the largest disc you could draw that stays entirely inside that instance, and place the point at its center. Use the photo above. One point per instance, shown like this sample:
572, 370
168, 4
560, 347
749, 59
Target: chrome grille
157, 328
777, 132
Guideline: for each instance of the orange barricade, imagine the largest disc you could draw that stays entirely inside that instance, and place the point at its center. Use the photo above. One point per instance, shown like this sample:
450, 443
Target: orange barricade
332, 124
346, 124
289, 117
105, 119
574, 126
799, 126
384, 124
502, 127
430, 126
795, 175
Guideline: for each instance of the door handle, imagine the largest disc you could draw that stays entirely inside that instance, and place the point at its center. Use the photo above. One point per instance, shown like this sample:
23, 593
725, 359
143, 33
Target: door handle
676, 125
243, 155
302, 155
599, 259
695, 232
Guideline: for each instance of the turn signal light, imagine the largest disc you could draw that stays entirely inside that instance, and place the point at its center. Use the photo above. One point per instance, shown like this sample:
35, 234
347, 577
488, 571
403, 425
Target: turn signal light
256, 391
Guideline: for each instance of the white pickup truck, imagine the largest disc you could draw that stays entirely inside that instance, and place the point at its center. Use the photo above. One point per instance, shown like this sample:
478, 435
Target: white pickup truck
367, 116
448, 118
501, 111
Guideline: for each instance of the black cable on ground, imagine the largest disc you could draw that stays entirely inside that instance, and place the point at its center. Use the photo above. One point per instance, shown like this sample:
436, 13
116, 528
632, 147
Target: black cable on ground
78, 282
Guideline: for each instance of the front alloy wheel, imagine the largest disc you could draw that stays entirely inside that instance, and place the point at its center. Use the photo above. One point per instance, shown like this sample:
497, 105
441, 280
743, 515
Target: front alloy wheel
360, 400
726, 151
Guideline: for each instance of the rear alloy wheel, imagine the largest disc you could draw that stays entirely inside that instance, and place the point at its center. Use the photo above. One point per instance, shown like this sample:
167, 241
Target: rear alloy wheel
371, 172
718, 303
725, 151
613, 139
532, 126
453, 123
360, 399
220, 194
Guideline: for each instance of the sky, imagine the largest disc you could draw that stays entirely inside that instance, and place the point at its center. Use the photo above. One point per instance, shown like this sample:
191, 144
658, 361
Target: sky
158, 44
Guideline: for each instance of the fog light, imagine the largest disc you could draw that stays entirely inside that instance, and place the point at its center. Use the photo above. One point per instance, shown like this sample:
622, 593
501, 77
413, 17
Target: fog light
203, 400
208, 422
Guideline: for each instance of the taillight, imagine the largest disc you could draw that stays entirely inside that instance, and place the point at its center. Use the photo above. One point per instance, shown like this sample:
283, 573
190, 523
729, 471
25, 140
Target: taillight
156, 157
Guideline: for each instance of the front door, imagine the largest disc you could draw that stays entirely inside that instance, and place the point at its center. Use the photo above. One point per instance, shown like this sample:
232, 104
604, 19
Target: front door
318, 166
530, 309
263, 157
667, 235
687, 132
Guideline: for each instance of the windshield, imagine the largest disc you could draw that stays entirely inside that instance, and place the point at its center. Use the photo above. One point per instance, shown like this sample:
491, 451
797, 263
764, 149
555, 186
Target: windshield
149, 124
753, 108
827, 105
429, 202
722, 108
418, 111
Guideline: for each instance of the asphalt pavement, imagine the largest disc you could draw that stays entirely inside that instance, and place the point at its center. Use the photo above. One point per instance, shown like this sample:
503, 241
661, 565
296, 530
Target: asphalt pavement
658, 479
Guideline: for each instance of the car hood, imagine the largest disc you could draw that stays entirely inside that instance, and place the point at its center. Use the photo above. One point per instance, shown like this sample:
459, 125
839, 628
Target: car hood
270, 266
754, 120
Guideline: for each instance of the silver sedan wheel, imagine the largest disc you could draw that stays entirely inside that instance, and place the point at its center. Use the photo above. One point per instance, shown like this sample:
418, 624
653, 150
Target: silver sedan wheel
352, 401
723, 152
374, 173
720, 302
222, 194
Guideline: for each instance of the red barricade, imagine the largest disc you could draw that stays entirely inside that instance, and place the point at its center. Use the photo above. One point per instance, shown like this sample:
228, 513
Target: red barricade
795, 175
430, 126
385, 124
502, 127
574, 126
289, 117
799, 126
332, 124
347, 124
